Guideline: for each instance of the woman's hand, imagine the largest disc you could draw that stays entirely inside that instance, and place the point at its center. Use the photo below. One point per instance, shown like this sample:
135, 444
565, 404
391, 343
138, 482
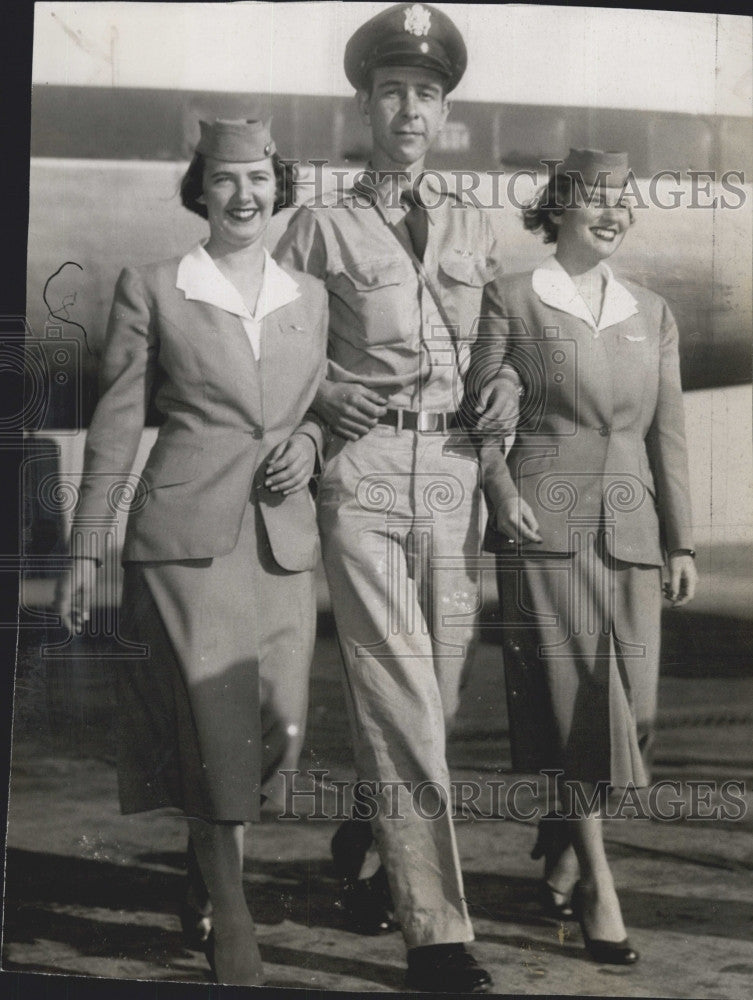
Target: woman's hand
683, 578
291, 464
515, 519
349, 408
73, 594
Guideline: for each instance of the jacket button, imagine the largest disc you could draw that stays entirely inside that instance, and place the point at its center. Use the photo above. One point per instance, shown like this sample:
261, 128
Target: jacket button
604, 430
257, 433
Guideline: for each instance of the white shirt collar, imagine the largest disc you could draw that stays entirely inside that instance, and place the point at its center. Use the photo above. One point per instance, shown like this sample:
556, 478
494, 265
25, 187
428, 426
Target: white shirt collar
199, 278
555, 287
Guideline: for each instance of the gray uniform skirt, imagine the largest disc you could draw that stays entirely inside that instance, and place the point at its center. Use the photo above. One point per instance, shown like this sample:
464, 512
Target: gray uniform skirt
581, 650
195, 732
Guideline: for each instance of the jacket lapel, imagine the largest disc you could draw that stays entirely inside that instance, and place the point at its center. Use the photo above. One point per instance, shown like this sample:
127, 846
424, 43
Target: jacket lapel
618, 304
224, 357
554, 287
286, 358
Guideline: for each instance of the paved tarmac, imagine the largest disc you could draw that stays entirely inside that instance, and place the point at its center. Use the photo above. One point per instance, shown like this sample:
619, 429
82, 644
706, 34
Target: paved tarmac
91, 893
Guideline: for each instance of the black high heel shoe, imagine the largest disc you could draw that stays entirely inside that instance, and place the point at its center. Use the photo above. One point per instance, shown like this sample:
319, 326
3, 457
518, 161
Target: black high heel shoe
367, 902
604, 952
551, 842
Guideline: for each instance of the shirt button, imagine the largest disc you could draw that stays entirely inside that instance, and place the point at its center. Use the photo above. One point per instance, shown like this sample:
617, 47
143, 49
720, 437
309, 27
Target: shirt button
604, 431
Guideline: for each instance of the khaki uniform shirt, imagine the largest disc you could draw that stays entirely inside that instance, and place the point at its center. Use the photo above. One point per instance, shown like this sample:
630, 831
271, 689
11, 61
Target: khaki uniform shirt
385, 329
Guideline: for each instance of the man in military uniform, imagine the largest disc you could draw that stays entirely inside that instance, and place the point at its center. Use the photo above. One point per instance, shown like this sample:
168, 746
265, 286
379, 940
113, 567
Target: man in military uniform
405, 264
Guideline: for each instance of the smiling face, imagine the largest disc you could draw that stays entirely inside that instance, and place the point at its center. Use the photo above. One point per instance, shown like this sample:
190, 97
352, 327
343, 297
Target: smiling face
239, 199
406, 109
591, 229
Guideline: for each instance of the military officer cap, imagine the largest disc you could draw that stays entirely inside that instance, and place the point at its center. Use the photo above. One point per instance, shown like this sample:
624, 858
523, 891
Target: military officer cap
408, 34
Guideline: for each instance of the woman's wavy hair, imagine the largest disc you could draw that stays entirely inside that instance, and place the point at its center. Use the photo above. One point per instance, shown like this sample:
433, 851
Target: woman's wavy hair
551, 199
192, 184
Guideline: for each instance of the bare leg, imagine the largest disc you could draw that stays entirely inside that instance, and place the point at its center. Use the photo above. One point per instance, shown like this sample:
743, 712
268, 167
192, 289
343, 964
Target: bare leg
601, 915
563, 875
196, 907
219, 851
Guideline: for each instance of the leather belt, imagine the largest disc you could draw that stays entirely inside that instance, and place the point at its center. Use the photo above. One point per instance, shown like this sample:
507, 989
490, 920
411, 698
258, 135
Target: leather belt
424, 421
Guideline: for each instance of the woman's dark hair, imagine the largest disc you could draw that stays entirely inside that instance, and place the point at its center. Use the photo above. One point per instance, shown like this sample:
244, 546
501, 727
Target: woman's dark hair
192, 184
551, 199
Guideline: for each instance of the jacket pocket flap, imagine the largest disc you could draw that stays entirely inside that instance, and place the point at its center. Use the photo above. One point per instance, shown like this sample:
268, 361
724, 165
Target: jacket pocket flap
170, 464
529, 465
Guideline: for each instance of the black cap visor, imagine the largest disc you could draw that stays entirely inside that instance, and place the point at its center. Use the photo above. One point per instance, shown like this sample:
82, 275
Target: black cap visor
435, 58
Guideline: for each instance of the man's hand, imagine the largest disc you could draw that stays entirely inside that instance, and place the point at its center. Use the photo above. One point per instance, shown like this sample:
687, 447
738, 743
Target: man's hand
515, 519
291, 464
73, 594
499, 405
349, 408
683, 578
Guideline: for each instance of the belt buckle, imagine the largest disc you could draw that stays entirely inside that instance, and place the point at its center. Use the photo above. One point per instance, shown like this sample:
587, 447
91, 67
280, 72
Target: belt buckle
426, 422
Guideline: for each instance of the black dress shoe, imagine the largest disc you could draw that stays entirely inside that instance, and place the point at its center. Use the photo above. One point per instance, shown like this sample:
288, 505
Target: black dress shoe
445, 968
349, 847
368, 905
367, 902
604, 952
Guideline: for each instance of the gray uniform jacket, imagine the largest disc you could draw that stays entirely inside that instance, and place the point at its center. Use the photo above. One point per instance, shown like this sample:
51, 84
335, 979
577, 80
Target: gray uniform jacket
224, 413
601, 434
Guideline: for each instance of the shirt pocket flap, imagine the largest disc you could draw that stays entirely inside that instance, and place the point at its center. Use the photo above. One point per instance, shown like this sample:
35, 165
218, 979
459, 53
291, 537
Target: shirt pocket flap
468, 269
367, 275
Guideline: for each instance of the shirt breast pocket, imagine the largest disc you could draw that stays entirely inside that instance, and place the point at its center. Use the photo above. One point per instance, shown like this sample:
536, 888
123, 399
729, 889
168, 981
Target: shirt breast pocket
381, 294
462, 275
466, 268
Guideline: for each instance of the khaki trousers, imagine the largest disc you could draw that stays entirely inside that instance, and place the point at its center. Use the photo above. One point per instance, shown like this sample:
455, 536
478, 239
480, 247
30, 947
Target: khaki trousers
399, 516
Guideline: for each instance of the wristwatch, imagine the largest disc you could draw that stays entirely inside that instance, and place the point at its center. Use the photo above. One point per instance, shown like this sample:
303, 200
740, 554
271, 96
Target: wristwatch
683, 552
